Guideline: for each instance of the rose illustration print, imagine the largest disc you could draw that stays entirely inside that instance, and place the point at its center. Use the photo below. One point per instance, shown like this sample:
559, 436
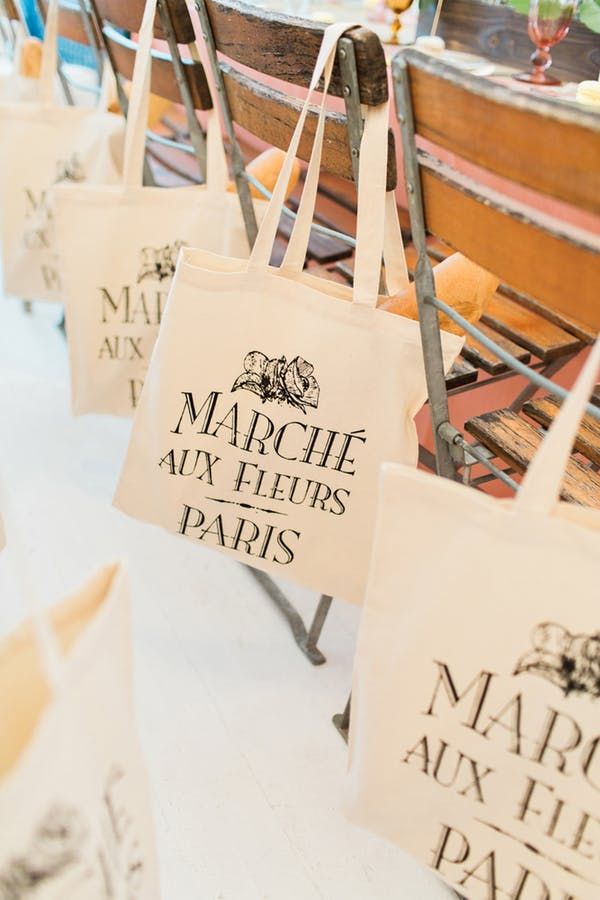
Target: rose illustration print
159, 264
56, 845
277, 380
70, 169
570, 661
69, 855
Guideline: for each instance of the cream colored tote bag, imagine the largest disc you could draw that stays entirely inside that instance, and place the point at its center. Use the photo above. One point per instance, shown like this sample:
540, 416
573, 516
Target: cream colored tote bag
42, 144
273, 396
116, 285
475, 728
75, 813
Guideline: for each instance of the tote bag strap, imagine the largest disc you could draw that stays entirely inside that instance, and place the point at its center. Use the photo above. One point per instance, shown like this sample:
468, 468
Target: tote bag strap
263, 245
377, 214
52, 665
540, 487
137, 117
394, 257
396, 270
49, 53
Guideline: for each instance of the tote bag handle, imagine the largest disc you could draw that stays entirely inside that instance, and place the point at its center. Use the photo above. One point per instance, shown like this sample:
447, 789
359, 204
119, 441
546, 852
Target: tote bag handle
377, 222
50, 61
49, 53
52, 665
540, 487
137, 117
376, 226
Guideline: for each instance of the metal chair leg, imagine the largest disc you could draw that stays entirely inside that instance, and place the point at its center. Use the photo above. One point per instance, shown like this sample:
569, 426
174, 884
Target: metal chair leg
306, 640
342, 720
314, 632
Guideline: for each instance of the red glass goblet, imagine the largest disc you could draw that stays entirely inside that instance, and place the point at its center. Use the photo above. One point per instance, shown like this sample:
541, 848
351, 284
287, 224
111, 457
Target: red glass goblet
549, 22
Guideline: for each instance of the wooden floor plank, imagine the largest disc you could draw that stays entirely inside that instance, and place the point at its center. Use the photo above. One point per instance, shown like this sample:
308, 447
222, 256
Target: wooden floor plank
480, 356
529, 330
544, 410
511, 438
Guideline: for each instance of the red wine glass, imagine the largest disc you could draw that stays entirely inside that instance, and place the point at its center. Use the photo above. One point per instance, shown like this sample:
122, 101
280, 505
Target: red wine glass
549, 22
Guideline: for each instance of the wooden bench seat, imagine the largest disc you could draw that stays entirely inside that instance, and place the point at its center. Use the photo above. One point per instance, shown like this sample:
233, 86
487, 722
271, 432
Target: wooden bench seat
512, 439
541, 337
543, 411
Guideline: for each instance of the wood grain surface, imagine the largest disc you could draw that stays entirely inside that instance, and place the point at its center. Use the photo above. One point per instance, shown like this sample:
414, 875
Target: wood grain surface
514, 440
286, 48
544, 410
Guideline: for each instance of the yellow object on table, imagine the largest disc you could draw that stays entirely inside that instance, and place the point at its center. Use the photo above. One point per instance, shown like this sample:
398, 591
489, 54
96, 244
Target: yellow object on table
157, 106
460, 283
588, 93
266, 168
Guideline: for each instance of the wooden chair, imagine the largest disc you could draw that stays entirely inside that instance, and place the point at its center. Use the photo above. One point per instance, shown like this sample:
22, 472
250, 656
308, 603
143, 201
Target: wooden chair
547, 146
499, 33
259, 44
175, 77
523, 326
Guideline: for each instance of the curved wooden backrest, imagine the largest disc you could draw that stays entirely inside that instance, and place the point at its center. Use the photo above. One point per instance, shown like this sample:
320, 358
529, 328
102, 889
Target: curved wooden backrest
163, 79
543, 144
71, 24
128, 14
499, 33
547, 146
286, 48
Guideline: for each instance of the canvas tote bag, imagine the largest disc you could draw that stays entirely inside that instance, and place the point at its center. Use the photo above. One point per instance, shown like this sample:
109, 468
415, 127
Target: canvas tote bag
43, 143
75, 813
273, 396
475, 728
116, 285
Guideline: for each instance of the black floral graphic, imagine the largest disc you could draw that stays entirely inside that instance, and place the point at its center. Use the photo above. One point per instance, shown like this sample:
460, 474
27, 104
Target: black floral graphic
279, 380
159, 263
70, 169
55, 845
570, 661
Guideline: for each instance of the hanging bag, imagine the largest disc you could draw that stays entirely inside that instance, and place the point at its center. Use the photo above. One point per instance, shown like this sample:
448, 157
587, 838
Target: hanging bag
44, 143
475, 727
116, 286
273, 396
75, 812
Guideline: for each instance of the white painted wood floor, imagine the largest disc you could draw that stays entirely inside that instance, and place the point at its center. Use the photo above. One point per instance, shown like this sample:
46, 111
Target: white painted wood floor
246, 767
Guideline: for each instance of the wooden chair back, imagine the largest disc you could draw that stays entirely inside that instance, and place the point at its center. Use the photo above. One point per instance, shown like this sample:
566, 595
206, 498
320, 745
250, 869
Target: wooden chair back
115, 17
499, 33
547, 146
72, 23
286, 48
